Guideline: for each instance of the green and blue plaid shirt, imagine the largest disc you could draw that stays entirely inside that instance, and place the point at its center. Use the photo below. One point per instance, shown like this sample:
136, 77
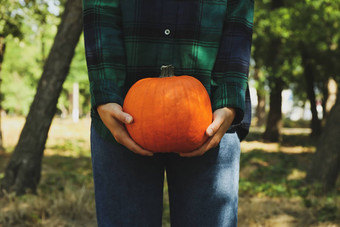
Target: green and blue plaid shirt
128, 40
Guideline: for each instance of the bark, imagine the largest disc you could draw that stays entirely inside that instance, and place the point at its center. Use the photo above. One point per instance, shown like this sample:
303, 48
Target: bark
24, 169
309, 77
2, 54
326, 161
274, 121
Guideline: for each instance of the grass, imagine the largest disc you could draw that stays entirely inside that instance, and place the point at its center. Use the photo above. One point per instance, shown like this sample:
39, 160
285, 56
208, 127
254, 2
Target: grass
272, 190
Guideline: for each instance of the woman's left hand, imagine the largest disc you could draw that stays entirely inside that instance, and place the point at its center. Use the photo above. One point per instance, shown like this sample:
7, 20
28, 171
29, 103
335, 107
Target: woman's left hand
222, 120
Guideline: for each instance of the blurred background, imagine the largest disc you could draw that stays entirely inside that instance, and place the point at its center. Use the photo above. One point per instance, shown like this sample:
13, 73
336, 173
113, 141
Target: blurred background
290, 161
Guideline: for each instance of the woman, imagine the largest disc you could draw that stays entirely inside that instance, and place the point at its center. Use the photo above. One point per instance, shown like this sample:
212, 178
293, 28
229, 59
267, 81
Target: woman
131, 39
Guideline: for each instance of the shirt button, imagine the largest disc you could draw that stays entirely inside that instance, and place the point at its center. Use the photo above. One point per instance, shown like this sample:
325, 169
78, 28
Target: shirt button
167, 32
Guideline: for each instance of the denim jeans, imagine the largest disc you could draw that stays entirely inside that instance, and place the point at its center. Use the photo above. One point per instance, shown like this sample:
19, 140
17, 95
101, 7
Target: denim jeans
203, 191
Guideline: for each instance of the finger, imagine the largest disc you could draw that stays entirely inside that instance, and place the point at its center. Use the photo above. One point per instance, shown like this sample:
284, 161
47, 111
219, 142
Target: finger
114, 110
212, 142
122, 137
215, 125
197, 152
118, 113
131, 145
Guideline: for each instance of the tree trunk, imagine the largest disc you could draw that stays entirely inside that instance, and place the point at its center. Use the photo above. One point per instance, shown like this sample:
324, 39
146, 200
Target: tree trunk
326, 161
260, 111
274, 121
309, 77
2, 54
24, 169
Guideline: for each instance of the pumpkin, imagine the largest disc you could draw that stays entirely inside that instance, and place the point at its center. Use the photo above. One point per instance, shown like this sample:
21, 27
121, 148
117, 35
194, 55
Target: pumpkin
171, 113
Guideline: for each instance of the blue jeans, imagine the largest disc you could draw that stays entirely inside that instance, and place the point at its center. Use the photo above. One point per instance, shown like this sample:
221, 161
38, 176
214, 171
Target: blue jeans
203, 191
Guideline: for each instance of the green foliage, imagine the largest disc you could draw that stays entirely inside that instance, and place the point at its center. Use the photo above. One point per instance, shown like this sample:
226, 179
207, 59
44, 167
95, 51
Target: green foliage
78, 73
25, 57
22, 67
19, 76
287, 31
11, 19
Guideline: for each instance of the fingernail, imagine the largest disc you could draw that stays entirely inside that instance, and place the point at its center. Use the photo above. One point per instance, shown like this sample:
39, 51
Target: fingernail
210, 132
128, 119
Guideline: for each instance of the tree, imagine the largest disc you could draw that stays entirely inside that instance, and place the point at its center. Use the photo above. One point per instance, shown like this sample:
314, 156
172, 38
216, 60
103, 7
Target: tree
326, 161
39, 31
269, 54
309, 74
24, 168
295, 42
314, 36
325, 165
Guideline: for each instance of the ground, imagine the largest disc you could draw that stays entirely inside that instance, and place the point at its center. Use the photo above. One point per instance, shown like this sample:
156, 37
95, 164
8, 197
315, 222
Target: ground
272, 191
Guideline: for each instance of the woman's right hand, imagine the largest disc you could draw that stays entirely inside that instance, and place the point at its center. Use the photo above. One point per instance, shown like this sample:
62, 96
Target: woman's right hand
114, 119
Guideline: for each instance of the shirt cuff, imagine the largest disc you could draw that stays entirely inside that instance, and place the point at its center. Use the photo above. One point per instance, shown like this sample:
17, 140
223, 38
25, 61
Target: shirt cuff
104, 91
230, 95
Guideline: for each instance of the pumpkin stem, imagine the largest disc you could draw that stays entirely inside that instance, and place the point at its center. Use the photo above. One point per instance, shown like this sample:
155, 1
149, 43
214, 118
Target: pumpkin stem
167, 71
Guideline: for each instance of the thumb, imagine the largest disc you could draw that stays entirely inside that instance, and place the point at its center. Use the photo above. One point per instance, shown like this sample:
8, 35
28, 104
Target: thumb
128, 118
214, 126
124, 117
121, 116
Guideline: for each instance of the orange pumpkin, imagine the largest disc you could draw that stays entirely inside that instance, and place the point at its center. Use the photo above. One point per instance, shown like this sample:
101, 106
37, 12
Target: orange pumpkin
171, 113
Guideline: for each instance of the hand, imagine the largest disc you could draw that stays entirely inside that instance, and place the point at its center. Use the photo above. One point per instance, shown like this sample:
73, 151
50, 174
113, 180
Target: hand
222, 120
114, 118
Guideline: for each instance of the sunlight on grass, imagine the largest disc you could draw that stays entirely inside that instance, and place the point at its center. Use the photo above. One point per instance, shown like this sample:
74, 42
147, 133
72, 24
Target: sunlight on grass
272, 189
72, 206
65, 137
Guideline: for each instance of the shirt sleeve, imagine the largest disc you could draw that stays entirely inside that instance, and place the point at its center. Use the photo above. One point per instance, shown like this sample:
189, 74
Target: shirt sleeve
230, 73
105, 53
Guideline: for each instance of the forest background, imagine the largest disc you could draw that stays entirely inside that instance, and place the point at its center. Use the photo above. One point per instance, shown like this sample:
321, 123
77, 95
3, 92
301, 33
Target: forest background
289, 165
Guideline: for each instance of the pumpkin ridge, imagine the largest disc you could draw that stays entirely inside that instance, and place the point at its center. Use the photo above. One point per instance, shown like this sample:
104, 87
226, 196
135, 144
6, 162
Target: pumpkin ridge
131, 98
137, 99
156, 103
164, 86
208, 102
199, 91
194, 84
143, 113
184, 88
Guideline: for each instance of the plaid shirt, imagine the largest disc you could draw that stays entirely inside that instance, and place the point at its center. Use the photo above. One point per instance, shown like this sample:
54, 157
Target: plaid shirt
131, 39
